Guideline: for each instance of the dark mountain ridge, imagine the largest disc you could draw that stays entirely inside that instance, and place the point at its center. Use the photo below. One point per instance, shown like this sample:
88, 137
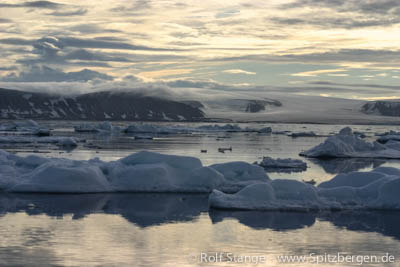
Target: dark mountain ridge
105, 105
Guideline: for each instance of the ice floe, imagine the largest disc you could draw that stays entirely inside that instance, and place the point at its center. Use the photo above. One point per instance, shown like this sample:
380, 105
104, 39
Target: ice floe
348, 145
57, 140
102, 127
178, 129
283, 165
377, 189
25, 127
303, 134
140, 172
390, 136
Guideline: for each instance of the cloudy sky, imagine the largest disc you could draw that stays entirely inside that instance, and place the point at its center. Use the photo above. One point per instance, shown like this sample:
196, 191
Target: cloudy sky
341, 48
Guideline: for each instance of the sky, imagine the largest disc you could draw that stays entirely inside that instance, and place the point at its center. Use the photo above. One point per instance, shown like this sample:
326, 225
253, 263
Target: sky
338, 48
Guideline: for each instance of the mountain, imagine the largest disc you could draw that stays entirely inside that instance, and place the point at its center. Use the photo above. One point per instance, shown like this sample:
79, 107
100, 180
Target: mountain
291, 108
113, 106
384, 108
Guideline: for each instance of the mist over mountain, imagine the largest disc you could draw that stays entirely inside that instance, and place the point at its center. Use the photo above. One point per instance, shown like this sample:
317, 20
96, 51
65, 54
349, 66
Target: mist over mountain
114, 106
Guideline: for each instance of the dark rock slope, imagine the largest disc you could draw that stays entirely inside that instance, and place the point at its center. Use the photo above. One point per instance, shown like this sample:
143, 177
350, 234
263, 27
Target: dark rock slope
113, 106
385, 108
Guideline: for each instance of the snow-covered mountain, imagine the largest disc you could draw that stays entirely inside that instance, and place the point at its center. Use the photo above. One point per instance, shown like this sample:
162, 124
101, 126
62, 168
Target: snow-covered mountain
385, 108
230, 106
94, 106
297, 109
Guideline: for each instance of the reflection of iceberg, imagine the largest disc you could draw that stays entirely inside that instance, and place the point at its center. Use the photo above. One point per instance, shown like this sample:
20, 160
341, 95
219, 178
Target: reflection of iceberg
146, 210
52, 204
154, 209
279, 221
141, 209
385, 223
334, 166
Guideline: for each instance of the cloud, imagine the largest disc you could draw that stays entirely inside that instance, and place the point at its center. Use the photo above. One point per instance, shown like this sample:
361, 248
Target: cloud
375, 86
337, 56
2, 20
76, 12
61, 42
164, 73
47, 74
239, 71
364, 6
316, 72
341, 13
34, 4
336, 21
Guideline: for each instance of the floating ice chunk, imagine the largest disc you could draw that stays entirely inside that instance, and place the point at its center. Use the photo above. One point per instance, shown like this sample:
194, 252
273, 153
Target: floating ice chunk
219, 128
353, 179
389, 195
86, 128
102, 127
265, 130
63, 177
303, 134
146, 157
15, 140
288, 163
293, 190
255, 196
157, 129
68, 142
391, 144
139, 172
347, 145
144, 137
283, 195
390, 137
358, 190
162, 177
241, 171
344, 194
26, 127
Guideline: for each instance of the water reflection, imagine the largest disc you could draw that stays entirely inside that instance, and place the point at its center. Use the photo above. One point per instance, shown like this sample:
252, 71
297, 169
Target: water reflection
335, 166
146, 210
278, 221
143, 210
385, 223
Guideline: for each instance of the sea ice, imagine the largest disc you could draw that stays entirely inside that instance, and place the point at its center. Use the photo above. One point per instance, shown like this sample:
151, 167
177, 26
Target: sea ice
102, 127
26, 127
139, 172
303, 134
348, 145
377, 189
283, 164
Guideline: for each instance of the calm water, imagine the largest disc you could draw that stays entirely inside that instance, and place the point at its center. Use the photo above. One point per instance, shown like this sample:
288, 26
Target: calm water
175, 229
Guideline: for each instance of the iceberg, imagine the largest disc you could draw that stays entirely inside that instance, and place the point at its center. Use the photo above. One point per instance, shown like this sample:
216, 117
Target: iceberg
177, 129
390, 136
140, 172
348, 145
156, 129
102, 127
26, 127
374, 190
57, 140
303, 134
279, 164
